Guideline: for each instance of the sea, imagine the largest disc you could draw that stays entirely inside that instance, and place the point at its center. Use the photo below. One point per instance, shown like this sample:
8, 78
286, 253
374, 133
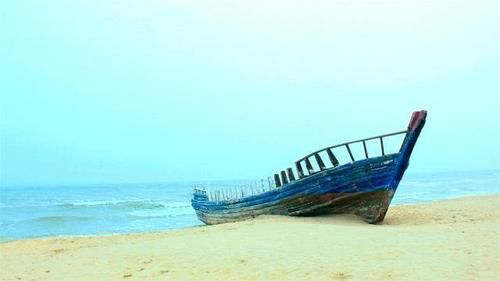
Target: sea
108, 209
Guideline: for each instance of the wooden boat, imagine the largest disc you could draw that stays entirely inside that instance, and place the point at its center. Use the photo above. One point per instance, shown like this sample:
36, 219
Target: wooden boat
364, 187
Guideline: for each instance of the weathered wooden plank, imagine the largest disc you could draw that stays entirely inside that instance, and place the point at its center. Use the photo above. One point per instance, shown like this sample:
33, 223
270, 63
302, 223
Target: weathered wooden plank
382, 168
277, 180
309, 167
366, 151
350, 153
288, 207
300, 172
332, 157
291, 176
382, 146
284, 179
321, 165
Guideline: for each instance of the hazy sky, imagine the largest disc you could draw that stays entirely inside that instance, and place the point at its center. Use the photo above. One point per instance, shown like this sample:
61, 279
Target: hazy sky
143, 91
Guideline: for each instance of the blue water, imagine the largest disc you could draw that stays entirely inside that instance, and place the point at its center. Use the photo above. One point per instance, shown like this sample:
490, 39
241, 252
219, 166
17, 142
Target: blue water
37, 211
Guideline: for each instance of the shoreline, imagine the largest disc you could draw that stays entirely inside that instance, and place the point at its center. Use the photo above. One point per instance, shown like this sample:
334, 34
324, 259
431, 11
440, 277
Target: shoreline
446, 239
69, 236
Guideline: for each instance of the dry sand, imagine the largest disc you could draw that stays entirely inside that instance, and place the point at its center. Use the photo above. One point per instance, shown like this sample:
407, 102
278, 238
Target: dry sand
447, 240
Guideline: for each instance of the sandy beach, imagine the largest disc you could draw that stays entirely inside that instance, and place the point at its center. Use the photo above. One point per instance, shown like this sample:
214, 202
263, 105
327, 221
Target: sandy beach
448, 240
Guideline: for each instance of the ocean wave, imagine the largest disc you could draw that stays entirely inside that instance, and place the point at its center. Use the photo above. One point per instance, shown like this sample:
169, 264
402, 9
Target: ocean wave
58, 219
125, 204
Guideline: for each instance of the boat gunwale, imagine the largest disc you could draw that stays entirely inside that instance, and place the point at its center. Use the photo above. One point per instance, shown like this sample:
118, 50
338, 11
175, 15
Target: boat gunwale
355, 141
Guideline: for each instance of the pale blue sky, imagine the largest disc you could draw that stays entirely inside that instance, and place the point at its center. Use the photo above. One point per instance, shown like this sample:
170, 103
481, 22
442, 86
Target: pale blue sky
142, 91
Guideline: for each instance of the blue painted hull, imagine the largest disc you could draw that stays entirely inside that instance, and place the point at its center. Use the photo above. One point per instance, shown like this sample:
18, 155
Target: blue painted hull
363, 187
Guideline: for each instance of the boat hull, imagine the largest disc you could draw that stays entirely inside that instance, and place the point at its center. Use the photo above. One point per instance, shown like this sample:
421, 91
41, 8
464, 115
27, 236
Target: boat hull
364, 188
366, 192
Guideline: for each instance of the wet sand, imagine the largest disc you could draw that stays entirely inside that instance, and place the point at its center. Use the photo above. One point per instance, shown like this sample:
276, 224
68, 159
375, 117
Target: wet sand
447, 240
